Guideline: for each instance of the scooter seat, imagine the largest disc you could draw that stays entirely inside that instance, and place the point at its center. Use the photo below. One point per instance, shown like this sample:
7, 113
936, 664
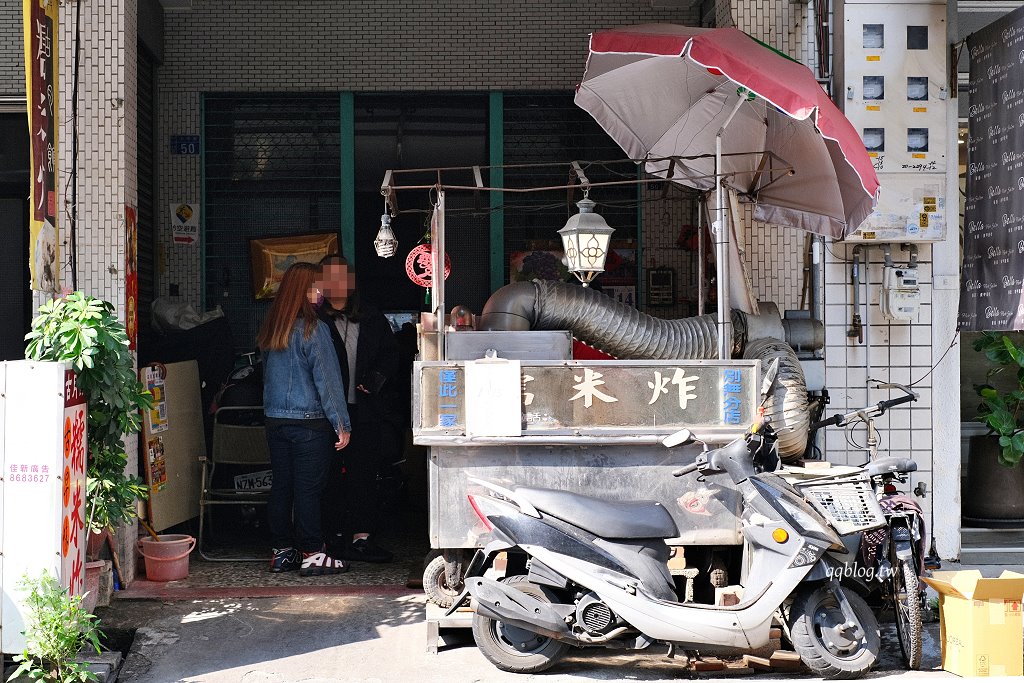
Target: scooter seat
891, 464
637, 519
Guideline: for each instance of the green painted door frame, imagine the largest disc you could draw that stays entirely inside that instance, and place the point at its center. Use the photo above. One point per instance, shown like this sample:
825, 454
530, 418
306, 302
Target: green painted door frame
348, 177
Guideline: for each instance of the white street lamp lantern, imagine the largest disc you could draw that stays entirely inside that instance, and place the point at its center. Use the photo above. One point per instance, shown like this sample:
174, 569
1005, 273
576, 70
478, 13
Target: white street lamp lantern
585, 239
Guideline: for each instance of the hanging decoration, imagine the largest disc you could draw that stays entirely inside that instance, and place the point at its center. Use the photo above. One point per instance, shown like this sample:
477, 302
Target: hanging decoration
419, 265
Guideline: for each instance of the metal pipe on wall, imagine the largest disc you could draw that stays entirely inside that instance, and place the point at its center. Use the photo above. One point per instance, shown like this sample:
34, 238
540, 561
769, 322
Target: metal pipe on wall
722, 244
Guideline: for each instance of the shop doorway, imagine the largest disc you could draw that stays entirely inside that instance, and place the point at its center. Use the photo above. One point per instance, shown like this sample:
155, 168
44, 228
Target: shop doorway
15, 301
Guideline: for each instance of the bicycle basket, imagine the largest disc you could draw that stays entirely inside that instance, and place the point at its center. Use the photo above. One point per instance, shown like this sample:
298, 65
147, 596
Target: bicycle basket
850, 506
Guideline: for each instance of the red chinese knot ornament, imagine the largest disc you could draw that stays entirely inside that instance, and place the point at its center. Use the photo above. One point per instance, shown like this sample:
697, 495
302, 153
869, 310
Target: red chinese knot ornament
419, 265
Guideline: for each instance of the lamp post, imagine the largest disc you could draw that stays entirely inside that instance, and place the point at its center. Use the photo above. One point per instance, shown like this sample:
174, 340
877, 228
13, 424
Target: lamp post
585, 239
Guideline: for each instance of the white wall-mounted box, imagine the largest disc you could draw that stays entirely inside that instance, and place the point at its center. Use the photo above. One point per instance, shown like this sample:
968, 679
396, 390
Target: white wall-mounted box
892, 84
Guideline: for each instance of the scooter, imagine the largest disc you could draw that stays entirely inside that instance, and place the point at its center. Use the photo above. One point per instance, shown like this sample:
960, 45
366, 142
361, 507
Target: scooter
595, 574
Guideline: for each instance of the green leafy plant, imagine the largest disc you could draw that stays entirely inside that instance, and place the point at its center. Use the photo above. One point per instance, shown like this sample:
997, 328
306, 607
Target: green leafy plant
56, 629
86, 332
1002, 409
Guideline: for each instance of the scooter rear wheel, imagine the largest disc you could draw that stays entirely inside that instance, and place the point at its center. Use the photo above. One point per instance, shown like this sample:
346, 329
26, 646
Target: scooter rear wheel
514, 649
824, 640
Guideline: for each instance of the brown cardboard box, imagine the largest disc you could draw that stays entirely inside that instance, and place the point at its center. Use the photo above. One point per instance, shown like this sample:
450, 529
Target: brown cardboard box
981, 622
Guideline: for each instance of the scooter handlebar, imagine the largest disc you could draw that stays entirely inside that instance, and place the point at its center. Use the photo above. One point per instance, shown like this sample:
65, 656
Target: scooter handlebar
683, 471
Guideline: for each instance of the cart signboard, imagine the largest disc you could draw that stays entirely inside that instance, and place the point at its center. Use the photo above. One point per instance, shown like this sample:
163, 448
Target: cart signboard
577, 398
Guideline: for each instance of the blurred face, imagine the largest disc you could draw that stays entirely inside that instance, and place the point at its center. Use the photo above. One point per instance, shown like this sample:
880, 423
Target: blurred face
339, 281
315, 294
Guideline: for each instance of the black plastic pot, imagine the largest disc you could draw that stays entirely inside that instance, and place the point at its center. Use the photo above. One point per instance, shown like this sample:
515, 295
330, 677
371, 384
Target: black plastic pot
993, 494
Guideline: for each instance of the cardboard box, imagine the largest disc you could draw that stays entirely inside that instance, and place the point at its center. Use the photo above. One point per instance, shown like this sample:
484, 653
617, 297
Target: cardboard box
981, 622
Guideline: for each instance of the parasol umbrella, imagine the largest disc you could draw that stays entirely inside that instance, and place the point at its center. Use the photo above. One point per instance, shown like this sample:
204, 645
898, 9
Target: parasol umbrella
671, 95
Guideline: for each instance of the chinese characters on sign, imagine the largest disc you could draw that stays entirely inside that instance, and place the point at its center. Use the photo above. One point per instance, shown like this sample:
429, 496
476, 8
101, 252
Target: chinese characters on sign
447, 392
72, 545
732, 393
40, 19
626, 394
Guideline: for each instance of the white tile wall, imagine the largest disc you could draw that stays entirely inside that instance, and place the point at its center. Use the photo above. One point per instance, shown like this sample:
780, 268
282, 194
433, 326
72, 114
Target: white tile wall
106, 178
901, 352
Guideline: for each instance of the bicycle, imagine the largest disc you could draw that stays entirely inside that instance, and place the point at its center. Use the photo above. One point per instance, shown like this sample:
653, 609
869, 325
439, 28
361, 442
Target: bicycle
895, 552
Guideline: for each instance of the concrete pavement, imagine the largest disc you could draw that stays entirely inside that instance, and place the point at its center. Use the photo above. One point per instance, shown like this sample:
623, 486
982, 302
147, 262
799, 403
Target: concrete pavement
362, 638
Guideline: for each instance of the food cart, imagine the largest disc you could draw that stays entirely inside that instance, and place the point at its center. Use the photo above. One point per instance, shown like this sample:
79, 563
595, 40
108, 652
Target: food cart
508, 404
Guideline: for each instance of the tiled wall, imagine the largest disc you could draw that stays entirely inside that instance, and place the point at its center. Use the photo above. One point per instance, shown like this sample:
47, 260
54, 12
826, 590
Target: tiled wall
770, 250
12, 49
899, 352
106, 160
387, 45
892, 351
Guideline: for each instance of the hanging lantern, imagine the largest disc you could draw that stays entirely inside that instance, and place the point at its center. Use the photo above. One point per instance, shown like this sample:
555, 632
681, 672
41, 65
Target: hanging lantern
585, 238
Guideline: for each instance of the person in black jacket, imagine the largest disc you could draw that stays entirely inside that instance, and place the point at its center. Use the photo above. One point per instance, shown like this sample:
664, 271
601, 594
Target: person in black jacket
368, 355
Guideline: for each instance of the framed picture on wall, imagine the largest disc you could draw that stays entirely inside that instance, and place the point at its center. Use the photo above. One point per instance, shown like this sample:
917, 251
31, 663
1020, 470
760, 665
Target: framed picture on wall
271, 256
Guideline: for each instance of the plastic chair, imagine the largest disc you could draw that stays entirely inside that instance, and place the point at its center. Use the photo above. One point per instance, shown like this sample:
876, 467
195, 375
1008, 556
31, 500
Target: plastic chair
233, 444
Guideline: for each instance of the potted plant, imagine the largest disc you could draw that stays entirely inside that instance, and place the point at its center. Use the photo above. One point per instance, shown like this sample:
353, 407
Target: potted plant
994, 495
85, 332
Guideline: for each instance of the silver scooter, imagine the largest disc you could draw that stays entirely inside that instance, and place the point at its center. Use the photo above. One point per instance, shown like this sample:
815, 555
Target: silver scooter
596, 574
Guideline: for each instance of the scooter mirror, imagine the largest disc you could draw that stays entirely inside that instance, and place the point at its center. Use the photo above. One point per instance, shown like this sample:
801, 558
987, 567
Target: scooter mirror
683, 436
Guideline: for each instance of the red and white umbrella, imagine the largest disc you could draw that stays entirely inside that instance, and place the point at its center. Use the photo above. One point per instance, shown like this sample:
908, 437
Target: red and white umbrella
667, 91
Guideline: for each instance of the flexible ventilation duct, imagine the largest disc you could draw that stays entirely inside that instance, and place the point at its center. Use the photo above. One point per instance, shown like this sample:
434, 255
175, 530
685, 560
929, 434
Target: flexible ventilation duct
626, 333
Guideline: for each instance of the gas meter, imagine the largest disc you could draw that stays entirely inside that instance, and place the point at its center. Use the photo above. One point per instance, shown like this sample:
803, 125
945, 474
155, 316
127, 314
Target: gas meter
901, 294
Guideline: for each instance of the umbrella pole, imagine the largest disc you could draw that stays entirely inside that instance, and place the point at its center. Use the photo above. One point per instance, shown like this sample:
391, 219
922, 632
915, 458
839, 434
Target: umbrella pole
722, 247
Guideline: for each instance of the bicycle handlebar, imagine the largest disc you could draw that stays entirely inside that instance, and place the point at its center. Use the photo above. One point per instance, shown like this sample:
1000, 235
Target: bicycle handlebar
880, 407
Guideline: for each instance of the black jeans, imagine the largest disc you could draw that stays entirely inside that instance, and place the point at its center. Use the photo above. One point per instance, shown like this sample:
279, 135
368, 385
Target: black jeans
351, 499
300, 459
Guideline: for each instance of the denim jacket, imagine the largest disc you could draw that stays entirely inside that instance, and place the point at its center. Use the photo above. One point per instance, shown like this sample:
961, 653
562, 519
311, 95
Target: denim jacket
303, 381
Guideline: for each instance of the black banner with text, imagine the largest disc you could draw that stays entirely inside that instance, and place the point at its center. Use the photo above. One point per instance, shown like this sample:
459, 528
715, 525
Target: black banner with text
991, 295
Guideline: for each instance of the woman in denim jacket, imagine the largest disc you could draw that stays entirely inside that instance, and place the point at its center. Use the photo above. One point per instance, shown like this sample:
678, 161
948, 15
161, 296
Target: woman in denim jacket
305, 409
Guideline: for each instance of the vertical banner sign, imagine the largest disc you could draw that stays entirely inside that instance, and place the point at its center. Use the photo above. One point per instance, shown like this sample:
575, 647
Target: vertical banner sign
991, 295
73, 513
40, 19
131, 283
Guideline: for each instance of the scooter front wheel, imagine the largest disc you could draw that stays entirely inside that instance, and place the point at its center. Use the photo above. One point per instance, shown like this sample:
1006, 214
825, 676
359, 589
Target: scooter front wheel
514, 649
825, 641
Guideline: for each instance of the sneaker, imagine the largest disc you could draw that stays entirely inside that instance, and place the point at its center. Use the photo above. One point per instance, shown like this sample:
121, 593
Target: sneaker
365, 550
284, 560
319, 563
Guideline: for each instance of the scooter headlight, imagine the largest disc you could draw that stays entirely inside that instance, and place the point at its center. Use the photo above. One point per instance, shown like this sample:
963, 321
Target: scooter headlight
796, 511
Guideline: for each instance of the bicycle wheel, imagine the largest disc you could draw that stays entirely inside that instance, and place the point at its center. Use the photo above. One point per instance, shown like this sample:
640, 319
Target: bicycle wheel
907, 608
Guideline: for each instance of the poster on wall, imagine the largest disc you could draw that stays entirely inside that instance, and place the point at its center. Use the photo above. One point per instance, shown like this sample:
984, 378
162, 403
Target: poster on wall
184, 224
157, 463
991, 294
41, 68
131, 276
154, 381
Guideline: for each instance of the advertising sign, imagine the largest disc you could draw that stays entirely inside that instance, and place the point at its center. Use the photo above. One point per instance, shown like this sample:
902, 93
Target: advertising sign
43, 505
131, 277
557, 397
185, 223
991, 295
41, 31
